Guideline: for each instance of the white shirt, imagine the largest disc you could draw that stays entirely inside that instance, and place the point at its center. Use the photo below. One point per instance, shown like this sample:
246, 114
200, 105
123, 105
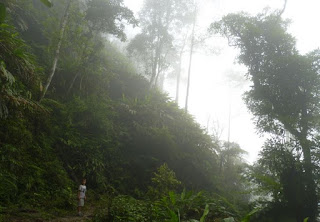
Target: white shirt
82, 190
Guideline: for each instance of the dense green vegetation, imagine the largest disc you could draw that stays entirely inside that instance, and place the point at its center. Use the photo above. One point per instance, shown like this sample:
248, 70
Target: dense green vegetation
144, 158
72, 105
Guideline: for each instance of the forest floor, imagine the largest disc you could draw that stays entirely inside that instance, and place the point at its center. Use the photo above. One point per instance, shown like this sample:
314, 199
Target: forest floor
74, 217
33, 216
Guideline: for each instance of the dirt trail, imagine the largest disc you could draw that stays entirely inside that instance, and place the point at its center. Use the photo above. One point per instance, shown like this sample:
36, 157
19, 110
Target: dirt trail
88, 214
72, 217
85, 218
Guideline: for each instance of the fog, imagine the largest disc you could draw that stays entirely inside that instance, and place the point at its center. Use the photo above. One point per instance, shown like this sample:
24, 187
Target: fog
215, 93
145, 103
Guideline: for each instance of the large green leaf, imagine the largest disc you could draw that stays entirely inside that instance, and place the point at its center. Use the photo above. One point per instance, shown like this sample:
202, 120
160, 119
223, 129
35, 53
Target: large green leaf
2, 12
248, 216
48, 3
205, 213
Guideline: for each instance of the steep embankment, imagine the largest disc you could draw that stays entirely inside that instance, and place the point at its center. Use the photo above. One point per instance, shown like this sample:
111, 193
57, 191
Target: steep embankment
98, 120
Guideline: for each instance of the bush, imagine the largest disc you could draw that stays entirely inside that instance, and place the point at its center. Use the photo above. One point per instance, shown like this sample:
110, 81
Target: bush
126, 208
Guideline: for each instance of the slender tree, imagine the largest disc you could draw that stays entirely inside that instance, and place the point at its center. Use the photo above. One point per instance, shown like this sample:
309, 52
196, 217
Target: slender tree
180, 67
190, 57
57, 51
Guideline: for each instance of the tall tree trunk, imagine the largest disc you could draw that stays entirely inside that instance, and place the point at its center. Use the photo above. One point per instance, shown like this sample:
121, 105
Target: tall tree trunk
159, 69
160, 73
310, 206
57, 53
154, 69
179, 68
155, 65
311, 202
190, 61
178, 79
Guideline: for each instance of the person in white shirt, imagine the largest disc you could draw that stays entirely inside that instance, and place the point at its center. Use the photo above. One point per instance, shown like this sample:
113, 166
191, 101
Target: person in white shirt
82, 195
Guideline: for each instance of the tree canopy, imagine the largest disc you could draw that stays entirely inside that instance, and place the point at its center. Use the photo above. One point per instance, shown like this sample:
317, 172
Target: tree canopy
284, 95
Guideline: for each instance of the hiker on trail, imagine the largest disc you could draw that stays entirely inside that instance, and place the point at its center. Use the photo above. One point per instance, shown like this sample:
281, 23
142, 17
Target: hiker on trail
81, 196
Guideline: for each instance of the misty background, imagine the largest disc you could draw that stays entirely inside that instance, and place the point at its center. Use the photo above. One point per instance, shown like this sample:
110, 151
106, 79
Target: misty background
217, 81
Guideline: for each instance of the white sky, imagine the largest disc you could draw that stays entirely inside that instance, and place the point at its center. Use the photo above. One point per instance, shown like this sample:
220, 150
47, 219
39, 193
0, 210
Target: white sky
211, 92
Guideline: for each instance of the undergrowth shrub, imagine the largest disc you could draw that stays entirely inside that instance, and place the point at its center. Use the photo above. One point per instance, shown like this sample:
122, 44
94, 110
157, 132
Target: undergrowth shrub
126, 208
